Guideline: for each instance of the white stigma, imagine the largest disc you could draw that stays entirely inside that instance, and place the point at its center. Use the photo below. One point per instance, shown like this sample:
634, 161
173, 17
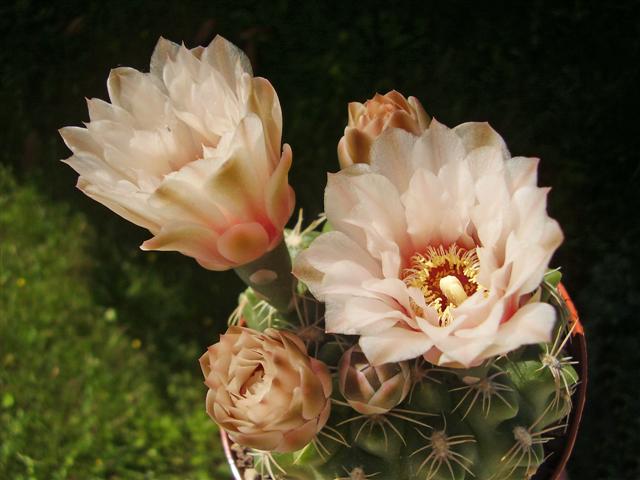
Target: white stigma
452, 288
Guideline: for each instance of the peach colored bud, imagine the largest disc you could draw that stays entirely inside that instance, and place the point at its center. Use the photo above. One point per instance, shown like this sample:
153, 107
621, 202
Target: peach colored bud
264, 390
372, 390
367, 121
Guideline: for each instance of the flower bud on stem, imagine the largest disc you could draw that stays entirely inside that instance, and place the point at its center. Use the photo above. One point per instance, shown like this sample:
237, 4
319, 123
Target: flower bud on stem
270, 277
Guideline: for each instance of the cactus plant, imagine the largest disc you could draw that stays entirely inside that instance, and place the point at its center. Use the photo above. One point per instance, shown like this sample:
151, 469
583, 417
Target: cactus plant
490, 422
414, 337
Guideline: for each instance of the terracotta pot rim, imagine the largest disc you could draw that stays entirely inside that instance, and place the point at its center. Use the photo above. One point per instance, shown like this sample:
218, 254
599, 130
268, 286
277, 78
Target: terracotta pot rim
578, 347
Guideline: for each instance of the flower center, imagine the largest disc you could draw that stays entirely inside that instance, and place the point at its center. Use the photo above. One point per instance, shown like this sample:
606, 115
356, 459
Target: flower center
446, 277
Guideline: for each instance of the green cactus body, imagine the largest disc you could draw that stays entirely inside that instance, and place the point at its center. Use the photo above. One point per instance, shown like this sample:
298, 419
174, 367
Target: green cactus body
379, 436
486, 423
446, 450
485, 402
431, 396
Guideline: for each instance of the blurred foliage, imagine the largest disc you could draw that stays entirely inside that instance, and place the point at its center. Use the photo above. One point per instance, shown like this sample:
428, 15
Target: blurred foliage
557, 79
78, 398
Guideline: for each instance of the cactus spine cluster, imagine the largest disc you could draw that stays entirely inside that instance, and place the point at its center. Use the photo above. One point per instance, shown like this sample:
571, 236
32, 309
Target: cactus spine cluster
490, 422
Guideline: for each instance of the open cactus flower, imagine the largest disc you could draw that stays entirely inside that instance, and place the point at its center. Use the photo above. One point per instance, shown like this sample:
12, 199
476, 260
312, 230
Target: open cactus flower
192, 152
445, 238
418, 333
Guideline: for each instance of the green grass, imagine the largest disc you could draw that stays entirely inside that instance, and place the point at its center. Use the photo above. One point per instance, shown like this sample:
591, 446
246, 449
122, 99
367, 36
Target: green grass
80, 396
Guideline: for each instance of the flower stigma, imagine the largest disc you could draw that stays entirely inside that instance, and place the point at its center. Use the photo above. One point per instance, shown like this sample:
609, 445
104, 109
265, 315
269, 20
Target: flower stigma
446, 278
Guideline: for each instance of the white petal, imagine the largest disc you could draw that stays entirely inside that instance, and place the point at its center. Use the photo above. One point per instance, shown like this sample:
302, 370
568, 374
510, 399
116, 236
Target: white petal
438, 146
124, 199
238, 182
192, 240
101, 110
227, 59
532, 323
279, 196
383, 347
345, 277
424, 206
485, 160
139, 94
391, 156
370, 203
163, 51
311, 264
480, 134
523, 172
180, 199
357, 315
392, 289
264, 103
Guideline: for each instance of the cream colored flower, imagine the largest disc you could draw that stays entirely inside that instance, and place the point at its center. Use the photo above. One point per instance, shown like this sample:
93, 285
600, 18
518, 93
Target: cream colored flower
367, 121
264, 390
372, 390
436, 249
190, 151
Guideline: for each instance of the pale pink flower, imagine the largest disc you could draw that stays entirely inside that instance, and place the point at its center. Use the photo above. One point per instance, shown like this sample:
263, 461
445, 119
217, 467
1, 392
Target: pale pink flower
264, 390
367, 121
372, 390
436, 249
190, 151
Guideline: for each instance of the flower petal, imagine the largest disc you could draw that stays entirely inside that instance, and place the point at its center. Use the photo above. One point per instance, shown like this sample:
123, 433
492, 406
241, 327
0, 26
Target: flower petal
279, 196
243, 243
311, 264
383, 348
189, 239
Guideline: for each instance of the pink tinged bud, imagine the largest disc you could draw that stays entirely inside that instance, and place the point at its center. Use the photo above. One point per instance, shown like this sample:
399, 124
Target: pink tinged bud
369, 120
264, 390
192, 152
372, 390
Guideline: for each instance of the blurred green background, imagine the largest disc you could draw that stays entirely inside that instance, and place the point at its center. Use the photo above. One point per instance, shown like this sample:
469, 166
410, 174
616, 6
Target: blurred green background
99, 341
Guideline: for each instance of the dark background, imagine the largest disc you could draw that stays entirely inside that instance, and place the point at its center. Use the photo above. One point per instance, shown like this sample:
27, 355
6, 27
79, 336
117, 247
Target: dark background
558, 80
